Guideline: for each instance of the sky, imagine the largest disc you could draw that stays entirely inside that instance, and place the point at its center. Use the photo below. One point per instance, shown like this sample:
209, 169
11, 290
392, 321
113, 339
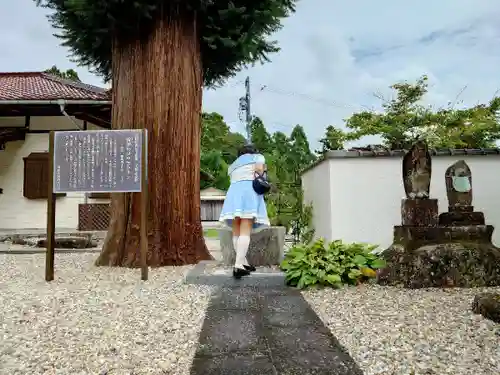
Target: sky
335, 57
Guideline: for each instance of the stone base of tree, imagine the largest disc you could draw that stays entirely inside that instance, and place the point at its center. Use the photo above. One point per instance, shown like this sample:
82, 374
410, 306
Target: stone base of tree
442, 265
488, 305
266, 246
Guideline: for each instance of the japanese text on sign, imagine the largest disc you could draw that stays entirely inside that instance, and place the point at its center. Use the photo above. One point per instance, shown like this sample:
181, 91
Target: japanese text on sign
98, 161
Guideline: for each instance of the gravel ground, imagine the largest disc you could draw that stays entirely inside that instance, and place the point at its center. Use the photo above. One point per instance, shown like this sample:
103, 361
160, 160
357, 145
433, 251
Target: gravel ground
96, 320
393, 331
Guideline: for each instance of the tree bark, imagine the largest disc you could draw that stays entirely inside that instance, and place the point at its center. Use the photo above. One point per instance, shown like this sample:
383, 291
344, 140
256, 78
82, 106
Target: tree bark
157, 85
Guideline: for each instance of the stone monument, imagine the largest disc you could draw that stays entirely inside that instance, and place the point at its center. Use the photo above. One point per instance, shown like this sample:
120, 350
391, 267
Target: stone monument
266, 246
417, 169
431, 250
418, 209
458, 178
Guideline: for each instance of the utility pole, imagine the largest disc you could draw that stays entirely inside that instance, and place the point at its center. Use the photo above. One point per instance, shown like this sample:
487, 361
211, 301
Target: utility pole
245, 107
249, 114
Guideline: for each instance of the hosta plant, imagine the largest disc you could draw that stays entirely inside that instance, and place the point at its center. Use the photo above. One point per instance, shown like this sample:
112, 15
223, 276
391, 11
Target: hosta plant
330, 264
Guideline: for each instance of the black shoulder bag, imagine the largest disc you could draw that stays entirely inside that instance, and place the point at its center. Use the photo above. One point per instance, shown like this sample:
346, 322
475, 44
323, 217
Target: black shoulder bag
261, 184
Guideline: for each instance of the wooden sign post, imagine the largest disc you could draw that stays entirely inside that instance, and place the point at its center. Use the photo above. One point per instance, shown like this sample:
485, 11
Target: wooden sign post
51, 215
144, 207
99, 161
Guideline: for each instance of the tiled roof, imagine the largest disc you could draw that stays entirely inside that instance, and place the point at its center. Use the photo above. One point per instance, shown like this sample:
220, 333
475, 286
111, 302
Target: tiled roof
43, 86
359, 153
380, 153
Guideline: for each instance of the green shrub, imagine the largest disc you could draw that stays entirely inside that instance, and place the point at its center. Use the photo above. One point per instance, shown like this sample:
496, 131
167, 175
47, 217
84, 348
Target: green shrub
333, 264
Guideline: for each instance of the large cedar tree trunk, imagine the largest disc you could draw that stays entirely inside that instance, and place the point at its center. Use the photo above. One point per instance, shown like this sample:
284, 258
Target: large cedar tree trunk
157, 85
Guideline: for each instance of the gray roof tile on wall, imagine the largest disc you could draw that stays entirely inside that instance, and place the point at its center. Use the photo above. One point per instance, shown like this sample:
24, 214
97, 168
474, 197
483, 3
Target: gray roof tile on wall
354, 153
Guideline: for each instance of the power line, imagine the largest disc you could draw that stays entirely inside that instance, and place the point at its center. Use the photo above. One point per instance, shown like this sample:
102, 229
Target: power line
246, 117
299, 95
311, 98
333, 104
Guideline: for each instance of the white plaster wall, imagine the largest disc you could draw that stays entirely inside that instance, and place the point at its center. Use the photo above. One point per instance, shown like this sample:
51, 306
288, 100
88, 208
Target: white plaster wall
17, 212
317, 191
365, 194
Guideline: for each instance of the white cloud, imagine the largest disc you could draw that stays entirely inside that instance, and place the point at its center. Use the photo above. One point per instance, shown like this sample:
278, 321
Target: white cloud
334, 56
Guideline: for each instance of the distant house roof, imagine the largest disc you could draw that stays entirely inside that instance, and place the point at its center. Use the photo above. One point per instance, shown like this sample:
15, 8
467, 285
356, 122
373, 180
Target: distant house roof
212, 191
212, 194
359, 153
43, 86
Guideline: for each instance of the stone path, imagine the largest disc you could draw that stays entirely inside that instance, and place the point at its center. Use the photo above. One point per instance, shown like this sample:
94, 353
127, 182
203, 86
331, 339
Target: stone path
261, 327
10, 248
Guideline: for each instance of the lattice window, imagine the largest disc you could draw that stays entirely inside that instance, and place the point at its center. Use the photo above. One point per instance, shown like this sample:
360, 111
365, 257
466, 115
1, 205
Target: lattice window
93, 216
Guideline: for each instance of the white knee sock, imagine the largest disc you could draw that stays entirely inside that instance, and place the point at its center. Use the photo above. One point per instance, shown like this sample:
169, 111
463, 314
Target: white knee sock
241, 251
235, 243
235, 246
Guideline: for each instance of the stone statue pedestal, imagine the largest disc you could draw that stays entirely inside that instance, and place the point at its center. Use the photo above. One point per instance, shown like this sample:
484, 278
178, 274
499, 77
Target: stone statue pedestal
419, 212
448, 264
465, 208
453, 249
442, 256
411, 238
457, 218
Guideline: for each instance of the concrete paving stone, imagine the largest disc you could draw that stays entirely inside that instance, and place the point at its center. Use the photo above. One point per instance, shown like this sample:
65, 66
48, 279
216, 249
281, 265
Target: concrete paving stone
234, 364
226, 299
226, 331
261, 330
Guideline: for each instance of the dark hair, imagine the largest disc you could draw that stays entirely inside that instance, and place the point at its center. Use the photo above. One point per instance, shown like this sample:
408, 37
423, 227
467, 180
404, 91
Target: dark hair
247, 149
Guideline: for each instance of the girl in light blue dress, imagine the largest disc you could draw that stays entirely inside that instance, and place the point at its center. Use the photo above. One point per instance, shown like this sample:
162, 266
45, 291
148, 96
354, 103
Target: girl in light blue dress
243, 208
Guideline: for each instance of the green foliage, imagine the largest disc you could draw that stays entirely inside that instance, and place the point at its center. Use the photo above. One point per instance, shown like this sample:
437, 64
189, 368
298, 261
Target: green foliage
216, 135
476, 127
303, 228
401, 117
219, 148
300, 153
232, 34
333, 140
68, 74
404, 119
286, 157
211, 233
213, 163
334, 264
259, 136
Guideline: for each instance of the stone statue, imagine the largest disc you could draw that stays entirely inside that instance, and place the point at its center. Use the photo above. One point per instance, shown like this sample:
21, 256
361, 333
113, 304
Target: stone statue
417, 171
458, 179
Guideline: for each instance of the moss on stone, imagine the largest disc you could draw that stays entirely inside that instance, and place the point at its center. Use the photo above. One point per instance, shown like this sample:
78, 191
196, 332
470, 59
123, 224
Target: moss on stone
488, 305
442, 265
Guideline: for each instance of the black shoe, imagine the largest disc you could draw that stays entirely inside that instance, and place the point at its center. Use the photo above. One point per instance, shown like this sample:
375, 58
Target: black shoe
238, 273
250, 268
